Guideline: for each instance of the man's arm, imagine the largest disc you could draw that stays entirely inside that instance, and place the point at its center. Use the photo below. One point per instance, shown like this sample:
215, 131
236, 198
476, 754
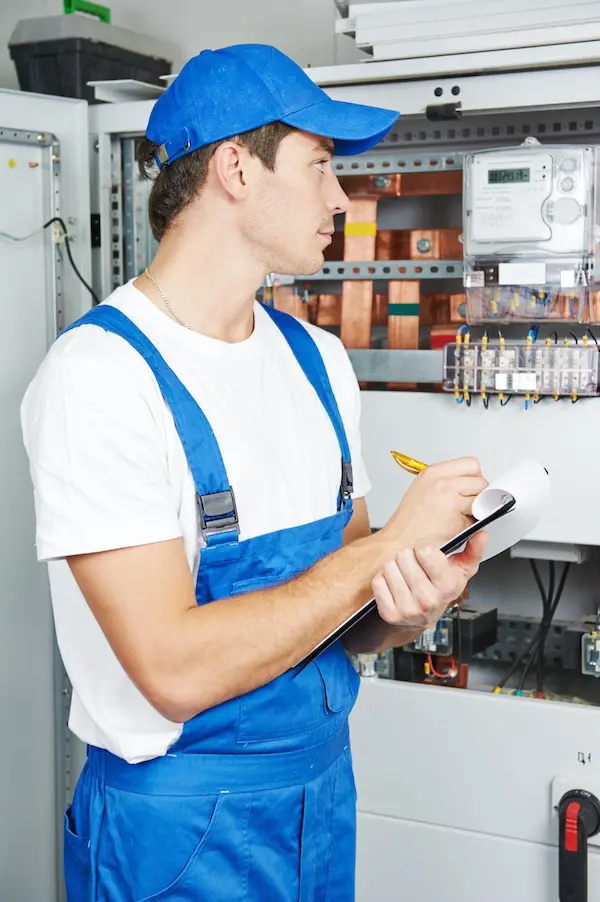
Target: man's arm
186, 658
372, 634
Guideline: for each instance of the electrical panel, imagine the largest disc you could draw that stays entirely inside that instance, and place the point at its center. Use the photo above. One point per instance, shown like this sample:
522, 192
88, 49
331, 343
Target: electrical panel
530, 233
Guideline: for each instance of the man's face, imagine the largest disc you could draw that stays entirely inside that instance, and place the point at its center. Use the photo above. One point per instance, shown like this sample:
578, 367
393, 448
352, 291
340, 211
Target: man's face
289, 221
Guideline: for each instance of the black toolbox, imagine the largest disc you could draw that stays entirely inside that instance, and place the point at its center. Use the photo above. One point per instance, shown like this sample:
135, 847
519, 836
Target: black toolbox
61, 54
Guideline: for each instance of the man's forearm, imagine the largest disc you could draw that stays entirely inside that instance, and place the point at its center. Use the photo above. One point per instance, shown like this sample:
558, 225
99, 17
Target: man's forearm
223, 649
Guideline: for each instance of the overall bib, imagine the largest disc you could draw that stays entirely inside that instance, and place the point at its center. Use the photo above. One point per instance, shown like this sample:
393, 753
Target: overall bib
255, 802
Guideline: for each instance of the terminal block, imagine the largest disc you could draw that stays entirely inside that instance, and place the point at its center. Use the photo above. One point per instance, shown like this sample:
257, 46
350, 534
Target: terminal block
590, 654
436, 641
521, 368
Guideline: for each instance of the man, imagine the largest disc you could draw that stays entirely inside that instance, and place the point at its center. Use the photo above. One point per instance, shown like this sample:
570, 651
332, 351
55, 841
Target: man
196, 463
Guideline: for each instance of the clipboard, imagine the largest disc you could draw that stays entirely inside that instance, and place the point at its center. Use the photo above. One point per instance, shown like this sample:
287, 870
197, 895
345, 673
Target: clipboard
455, 544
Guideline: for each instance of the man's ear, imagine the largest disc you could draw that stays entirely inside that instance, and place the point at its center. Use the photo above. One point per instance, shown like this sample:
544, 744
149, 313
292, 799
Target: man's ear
234, 167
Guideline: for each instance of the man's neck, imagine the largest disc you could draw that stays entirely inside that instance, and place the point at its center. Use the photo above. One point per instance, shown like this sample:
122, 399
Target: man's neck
209, 284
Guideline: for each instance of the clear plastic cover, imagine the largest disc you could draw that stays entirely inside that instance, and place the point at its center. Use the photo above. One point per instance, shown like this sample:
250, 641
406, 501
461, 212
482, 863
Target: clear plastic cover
522, 368
530, 232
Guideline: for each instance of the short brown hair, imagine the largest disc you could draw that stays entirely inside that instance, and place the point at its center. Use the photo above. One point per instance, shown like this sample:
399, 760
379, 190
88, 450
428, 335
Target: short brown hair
178, 183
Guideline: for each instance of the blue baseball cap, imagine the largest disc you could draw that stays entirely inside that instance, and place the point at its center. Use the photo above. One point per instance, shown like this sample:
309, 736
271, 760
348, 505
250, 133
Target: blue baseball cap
222, 93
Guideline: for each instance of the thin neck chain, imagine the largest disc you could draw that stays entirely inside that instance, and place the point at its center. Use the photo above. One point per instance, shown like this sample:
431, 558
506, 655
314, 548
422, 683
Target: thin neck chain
165, 299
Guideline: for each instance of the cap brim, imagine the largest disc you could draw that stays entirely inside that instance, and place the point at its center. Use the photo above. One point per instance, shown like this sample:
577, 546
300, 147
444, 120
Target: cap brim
352, 127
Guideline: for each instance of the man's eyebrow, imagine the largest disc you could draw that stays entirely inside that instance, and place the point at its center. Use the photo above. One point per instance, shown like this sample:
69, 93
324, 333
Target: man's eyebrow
325, 145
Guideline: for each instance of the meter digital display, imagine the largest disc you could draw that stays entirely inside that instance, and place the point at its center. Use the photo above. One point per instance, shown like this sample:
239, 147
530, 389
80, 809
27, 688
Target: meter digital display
505, 176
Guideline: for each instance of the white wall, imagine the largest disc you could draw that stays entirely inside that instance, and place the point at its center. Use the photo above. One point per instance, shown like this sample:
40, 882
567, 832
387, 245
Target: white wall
304, 29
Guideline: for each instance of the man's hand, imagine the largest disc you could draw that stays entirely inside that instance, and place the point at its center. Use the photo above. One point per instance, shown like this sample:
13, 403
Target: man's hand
415, 588
437, 506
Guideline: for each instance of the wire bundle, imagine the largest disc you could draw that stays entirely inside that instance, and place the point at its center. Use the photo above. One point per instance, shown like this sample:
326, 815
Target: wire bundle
535, 651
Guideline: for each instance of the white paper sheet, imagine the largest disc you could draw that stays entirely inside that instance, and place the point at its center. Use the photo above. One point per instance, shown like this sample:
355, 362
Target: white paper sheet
529, 484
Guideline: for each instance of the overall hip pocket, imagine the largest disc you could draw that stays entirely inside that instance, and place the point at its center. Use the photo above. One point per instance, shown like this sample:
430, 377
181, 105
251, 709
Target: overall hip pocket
187, 883
77, 861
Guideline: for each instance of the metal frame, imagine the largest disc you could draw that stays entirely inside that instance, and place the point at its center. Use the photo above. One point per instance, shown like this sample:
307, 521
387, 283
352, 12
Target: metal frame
55, 319
54, 263
523, 62
138, 243
387, 270
397, 366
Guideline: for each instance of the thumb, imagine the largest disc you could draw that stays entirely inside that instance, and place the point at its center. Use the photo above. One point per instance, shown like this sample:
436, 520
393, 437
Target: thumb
469, 559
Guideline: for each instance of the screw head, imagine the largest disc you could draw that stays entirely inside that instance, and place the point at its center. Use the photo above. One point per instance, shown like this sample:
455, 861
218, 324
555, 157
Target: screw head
423, 245
382, 181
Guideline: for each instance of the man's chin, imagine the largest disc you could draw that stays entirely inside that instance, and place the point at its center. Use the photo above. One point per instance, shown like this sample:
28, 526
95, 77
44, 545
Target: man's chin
308, 267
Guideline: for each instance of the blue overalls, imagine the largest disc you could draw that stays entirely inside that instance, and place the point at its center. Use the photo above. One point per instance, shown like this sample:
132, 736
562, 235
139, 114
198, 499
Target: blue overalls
255, 802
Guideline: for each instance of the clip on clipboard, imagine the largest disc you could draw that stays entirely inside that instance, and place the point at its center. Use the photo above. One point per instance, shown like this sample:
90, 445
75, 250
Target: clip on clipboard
450, 547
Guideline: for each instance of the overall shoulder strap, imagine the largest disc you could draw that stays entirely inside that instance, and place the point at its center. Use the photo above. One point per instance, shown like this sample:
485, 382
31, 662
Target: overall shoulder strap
218, 513
309, 358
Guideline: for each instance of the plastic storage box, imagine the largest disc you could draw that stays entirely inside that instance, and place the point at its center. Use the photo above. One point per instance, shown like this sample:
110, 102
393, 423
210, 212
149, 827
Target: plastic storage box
61, 54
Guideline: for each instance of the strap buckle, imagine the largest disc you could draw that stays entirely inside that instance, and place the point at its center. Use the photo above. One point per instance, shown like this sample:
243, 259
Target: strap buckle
218, 514
347, 485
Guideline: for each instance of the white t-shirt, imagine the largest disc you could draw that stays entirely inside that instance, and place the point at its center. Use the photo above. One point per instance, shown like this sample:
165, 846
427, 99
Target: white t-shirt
109, 472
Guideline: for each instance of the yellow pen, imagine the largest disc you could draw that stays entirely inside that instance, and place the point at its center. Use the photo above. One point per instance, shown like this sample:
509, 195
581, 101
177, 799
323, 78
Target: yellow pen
408, 463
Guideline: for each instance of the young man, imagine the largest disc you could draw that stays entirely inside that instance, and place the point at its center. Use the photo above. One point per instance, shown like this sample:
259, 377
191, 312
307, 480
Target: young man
196, 463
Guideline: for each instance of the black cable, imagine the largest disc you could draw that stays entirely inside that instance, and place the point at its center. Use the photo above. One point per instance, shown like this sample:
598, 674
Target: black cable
592, 336
548, 624
519, 660
70, 255
572, 334
550, 603
506, 400
537, 644
547, 601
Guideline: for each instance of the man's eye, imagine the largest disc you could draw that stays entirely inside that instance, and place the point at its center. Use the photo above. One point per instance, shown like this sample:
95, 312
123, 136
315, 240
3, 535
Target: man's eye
320, 164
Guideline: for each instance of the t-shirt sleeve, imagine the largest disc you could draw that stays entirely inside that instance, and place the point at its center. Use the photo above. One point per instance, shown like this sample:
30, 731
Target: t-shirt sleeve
98, 458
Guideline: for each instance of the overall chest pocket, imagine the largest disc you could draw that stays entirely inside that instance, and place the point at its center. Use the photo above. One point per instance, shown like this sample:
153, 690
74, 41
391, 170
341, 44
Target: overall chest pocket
292, 705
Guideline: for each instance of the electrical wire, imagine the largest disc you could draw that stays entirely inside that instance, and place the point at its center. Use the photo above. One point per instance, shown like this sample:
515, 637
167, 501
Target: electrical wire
16, 238
551, 612
536, 647
446, 675
61, 223
547, 614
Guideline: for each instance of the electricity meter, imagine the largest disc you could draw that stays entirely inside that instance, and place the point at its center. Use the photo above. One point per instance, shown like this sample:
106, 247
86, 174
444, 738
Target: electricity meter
530, 232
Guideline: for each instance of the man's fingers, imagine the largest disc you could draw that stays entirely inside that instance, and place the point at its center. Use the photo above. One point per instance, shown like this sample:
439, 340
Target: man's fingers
460, 466
472, 487
469, 559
